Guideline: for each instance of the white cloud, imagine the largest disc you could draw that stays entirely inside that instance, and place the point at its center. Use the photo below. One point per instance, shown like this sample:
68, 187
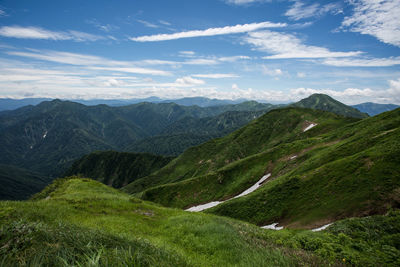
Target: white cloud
244, 2
216, 75
39, 33
353, 96
105, 27
166, 23
187, 53
89, 61
147, 24
300, 11
271, 72
235, 86
189, 81
2, 13
201, 61
284, 45
136, 70
208, 32
372, 62
233, 58
377, 18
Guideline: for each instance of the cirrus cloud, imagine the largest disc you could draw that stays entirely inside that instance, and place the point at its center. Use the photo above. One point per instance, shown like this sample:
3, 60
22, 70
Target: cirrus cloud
240, 28
40, 33
377, 18
285, 45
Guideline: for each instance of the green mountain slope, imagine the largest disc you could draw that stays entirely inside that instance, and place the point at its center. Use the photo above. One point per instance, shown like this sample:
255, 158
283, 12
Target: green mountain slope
116, 169
77, 221
274, 128
82, 222
352, 172
17, 183
373, 109
189, 131
327, 103
330, 172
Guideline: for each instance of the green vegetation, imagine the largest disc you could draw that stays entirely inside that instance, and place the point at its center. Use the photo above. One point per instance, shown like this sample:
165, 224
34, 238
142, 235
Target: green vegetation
368, 241
17, 183
117, 169
48, 137
277, 127
338, 169
189, 131
327, 103
83, 222
353, 172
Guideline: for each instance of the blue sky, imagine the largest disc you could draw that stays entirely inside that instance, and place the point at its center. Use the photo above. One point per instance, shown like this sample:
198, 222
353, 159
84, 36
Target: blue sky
269, 50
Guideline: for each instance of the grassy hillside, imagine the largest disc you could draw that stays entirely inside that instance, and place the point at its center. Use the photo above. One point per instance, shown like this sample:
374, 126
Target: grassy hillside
338, 169
17, 183
327, 103
353, 172
82, 222
117, 169
274, 128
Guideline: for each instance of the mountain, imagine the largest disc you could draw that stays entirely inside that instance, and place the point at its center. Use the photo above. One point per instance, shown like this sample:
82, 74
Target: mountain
17, 183
11, 104
327, 103
340, 168
203, 101
48, 137
189, 131
277, 127
116, 169
81, 222
373, 109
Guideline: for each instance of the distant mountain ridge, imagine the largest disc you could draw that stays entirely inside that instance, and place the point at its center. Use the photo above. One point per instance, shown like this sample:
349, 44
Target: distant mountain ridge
11, 104
48, 137
373, 109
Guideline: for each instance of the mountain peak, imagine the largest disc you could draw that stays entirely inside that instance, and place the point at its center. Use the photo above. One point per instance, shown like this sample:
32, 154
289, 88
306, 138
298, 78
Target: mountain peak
327, 103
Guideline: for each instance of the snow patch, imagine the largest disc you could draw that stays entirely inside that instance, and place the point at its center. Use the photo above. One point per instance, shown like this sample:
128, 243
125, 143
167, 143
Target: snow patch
309, 127
255, 186
272, 226
204, 206
322, 227
215, 203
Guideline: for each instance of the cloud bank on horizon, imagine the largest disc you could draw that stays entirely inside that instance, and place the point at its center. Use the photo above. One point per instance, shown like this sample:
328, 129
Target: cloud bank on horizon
268, 50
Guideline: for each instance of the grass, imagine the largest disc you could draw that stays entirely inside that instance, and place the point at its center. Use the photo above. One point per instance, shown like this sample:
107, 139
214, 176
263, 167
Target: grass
343, 168
258, 136
83, 222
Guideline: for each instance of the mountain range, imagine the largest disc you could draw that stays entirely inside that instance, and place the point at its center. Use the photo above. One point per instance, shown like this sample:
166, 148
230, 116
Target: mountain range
290, 169
49, 137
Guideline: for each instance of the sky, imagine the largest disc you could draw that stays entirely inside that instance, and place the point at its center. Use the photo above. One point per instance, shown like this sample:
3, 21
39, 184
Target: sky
266, 50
